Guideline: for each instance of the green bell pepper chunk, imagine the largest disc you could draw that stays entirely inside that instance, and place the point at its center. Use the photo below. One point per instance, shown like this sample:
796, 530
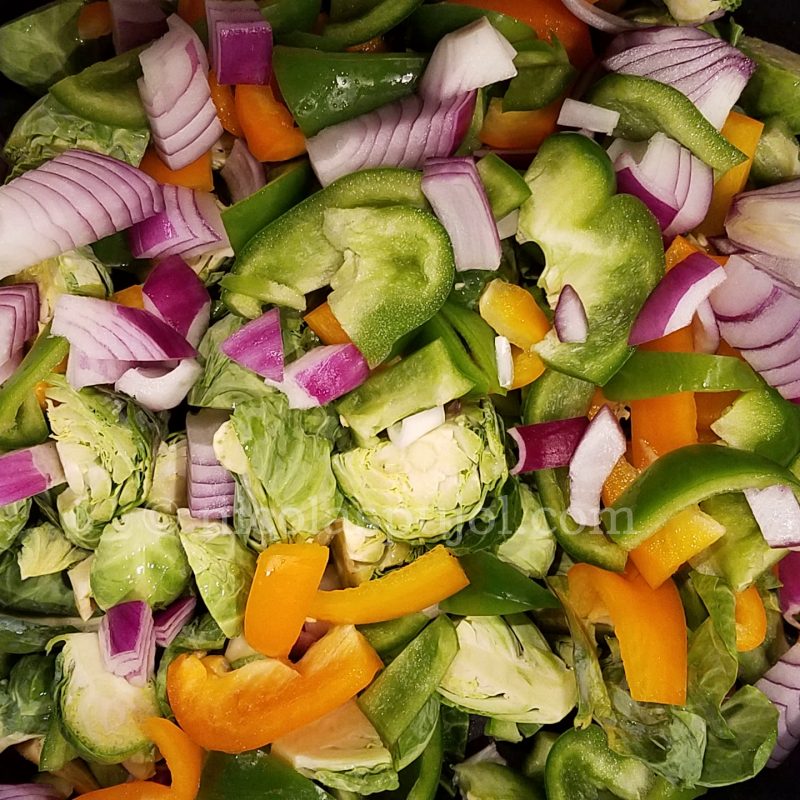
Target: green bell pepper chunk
322, 88
106, 92
29, 427
243, 220
581, 766
777, 157
536, 760
607, 247
426, 378
762, 421
287, 16
429, 23
557, 396
652, 374
505, 188
486, 780
389, 638
543, 75
420, 780
291, 256
647, 107
495, 588
683, 478
398, 694
254, 776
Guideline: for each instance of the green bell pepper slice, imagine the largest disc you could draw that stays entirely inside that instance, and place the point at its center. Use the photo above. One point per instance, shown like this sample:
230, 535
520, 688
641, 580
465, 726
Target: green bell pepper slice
652, 374
543, 75
106, 92
486, 780
287, 16
398, 694
389, 638
254, 776
288, 185
429, 23
505, 188
495, 588
323, 89
557, 396
420, 780
762, 421
647, 107
291, 256
607, 246
581, 766
683, 478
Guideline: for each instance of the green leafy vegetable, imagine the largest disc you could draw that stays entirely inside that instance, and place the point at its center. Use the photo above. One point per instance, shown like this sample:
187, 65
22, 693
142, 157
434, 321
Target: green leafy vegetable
23, 636
532, 547
44, 550
168, 492
47, 594
26, 699
13, 518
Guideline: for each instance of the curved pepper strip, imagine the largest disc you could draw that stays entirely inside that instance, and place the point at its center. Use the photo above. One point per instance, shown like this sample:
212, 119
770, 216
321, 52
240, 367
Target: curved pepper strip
252, 706
424, 582
649, 624
751, 620
683, 478
184, 759
286, 581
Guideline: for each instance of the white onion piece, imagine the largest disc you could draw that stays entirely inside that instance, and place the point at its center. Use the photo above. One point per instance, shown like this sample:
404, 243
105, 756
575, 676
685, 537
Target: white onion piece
570, 319
777, 513
598, 451
243, 174
28, 472
576, 114
414, 427
160, 389
504, 361
705, 330
507, 227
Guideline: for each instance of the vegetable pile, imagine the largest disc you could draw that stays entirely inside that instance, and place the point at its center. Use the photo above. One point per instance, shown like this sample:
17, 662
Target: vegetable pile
398, 399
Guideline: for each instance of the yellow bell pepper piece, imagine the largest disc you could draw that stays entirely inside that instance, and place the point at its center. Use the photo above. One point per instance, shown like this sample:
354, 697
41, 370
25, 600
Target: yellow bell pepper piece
512, 312
751, 620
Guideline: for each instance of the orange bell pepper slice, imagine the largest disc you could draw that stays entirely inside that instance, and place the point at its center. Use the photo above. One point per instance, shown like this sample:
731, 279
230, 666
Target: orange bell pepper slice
512, 312
743, 132
267, 124
649, 624
322, 321
431, 578
285, 584
184, 759
225, 103
131, 297
94, 20
41, 388
192, 11
196, 175
751, 620
375, 45
252, 706
518, 130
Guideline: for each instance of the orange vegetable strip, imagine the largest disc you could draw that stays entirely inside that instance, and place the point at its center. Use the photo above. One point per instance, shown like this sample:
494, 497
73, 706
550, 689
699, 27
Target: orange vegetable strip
225, 103
196, 175
267, 124
751, 620
518, 130
322, 321
94, 20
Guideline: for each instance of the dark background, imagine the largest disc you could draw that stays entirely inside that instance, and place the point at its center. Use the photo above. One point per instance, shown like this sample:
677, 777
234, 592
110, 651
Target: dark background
775, 20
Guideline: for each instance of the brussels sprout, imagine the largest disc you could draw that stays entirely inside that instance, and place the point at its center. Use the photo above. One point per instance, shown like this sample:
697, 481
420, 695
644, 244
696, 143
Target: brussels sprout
223, 568
80, 580
168, 492
697, 10
106, 444
26, 699
13, 518
505, 669
341, 750
44, 550
532, 547
420, 492
362, 552
76, 272
101, 713
485, 780
139, 557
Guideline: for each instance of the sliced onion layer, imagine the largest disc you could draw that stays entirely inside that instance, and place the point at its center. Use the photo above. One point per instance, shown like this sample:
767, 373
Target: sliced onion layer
781, 684
258, 346
128, 642
169, 622
160, 388
210, 487
19, 317
136, 22
705, 330
240, 42
709, 71
547, 445
243, 173
29, 791
570, 320
673, 303
71, 201
82, 370
789, 592
28, 472
414, 427
587, 117
174, 293
176, 96
455, 191
777, 513
598, 18
189, 225
504, 361
108, 331
8, 368
322, 375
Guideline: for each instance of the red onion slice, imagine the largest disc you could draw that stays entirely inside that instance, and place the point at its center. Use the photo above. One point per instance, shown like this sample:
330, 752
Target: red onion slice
29, 791
777, 513
455, 191
242, 173
136, 22
8, 368
160, 389
547, 445
127, 642
705, 330
597, 18
204, 469
175, 294
84, 371
169, 622
588, 117
768, 324
744, 291
19, 305
672, 304
242, 50
571, 322
258, 346
322, 375
108, 331
781, 684
602, 445
789, 592
28, 472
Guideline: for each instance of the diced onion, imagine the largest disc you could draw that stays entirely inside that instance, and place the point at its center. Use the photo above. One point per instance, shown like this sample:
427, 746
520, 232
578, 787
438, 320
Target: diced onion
258, 346
777, 513
414, 427
547, 445
570, 319
576, 114
504, 361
